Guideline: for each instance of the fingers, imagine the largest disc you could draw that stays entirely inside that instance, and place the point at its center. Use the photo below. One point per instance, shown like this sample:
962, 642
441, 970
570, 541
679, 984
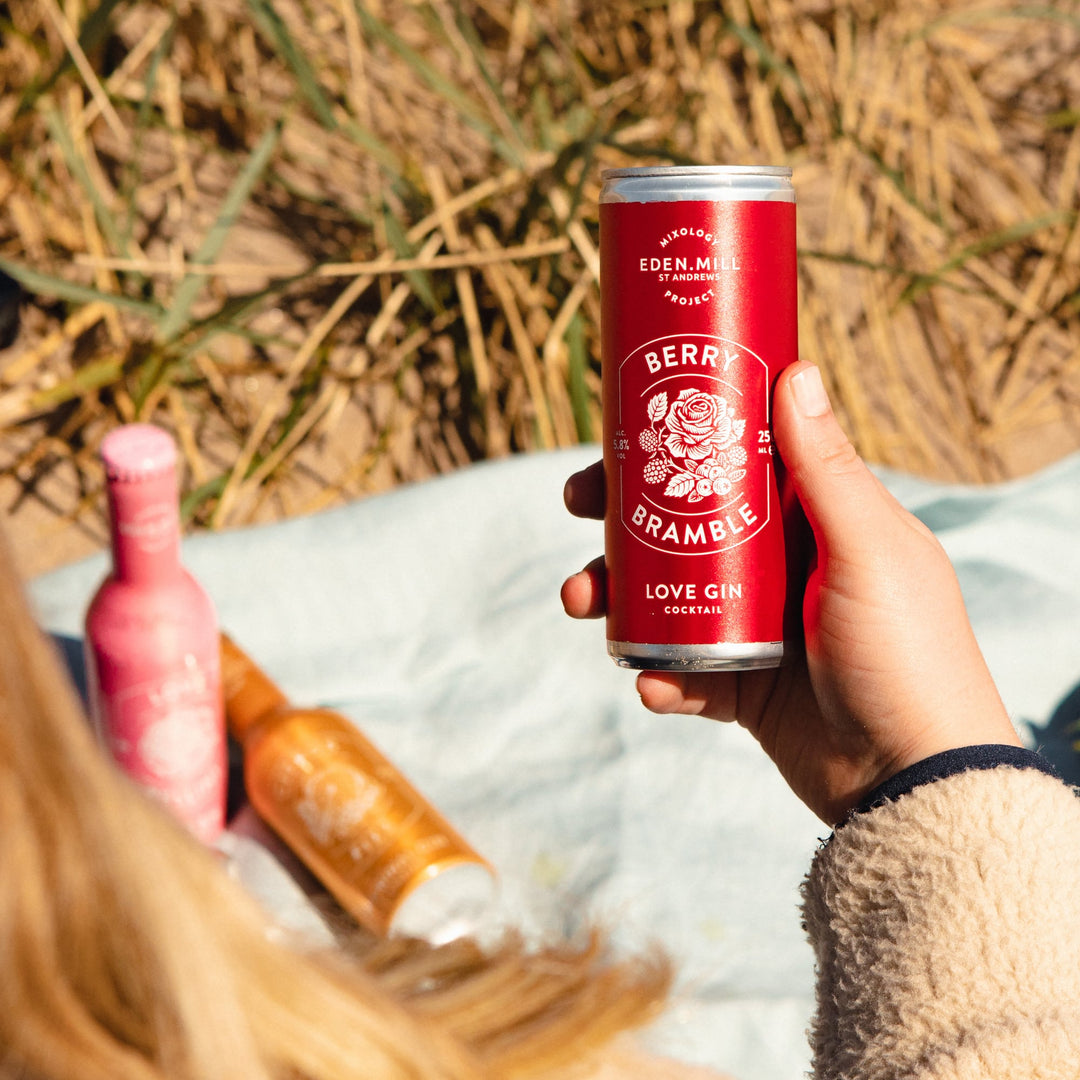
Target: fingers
711, 694
888, 640
844, 501
584, 594
584, 492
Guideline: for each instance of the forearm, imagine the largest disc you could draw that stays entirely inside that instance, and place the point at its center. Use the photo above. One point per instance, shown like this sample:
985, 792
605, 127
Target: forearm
947, 931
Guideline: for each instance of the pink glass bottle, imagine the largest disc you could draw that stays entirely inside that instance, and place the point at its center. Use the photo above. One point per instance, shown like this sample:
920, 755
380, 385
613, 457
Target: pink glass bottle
152, 652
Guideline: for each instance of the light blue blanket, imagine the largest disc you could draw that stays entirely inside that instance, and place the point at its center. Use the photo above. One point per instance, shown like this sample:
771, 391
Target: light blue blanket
430, 615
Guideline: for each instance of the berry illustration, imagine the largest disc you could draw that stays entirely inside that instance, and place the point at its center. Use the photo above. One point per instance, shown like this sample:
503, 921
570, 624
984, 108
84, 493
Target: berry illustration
655, 471
650, 441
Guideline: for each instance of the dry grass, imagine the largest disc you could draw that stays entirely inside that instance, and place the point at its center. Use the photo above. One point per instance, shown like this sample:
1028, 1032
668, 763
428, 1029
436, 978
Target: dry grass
338, 245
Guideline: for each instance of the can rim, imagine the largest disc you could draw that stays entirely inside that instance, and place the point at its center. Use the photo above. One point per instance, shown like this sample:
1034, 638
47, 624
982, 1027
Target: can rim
697, 170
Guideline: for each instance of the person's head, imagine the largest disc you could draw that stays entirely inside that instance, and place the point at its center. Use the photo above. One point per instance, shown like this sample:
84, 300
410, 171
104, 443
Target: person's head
127, 952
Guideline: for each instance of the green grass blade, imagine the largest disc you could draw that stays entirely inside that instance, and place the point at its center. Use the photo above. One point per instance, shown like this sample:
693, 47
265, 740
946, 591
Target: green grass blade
177, 317
894, 176
1028, 13
372, 144
274, 29
34, 281
467, 29
768, 60
304, 194
132, 170
984, 246
277, 33
472, 114
105, 215
419, 280
231, 317
1063, 118
211, 489
580, 397
845, 258
91, 34
89, 377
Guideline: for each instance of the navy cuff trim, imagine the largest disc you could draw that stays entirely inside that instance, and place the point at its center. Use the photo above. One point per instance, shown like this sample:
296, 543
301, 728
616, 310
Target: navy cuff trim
949, 763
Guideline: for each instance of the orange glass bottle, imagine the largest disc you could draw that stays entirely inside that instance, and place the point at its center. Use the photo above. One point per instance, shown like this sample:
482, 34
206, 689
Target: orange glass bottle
380, 848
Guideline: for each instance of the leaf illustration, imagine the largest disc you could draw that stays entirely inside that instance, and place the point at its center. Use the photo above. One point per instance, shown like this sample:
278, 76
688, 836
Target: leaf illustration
737, 475
695, 497
738, 427
679, 485
658, 406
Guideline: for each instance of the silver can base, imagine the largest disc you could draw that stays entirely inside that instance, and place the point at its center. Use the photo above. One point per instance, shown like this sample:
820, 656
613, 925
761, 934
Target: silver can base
744, 656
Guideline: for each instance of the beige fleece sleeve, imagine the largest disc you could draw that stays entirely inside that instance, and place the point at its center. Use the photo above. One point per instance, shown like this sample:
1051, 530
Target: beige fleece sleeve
947, 931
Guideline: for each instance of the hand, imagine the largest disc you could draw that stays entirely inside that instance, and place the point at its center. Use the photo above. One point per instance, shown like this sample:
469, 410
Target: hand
891, 672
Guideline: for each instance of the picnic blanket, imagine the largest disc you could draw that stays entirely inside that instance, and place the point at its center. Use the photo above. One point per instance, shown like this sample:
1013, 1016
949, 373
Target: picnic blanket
430, 616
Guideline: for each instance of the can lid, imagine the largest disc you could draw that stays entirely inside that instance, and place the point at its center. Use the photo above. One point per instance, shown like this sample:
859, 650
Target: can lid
698, 183
717, 172
135, 451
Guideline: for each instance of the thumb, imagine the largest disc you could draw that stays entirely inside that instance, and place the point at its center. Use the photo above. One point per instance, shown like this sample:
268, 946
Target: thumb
842, 499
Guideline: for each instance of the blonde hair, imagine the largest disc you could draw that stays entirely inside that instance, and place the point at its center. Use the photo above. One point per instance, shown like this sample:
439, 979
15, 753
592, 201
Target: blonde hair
127, 952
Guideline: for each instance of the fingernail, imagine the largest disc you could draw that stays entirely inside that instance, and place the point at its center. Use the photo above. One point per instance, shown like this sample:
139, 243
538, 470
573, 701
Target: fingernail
809, 393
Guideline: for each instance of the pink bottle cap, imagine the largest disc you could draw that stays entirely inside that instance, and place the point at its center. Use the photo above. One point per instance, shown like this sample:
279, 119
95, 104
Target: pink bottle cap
135, 451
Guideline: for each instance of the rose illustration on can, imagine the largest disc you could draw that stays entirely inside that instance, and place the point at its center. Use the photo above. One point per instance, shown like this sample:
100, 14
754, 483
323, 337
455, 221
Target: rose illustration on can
694, 444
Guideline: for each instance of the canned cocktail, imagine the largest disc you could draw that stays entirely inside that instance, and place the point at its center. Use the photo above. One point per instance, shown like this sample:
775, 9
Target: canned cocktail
703, 539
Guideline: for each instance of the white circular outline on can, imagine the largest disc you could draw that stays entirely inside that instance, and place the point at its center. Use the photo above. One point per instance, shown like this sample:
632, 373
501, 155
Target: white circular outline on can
768, 464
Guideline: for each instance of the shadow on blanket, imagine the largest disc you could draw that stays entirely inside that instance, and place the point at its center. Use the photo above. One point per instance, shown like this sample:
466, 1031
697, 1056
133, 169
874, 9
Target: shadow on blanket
1059, 740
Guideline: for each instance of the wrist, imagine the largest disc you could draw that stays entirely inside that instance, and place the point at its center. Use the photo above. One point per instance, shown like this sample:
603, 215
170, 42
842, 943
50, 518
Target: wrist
974, 718
947, 763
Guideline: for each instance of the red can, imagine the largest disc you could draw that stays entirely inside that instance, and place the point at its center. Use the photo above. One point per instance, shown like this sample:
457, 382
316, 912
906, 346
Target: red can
703, 540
